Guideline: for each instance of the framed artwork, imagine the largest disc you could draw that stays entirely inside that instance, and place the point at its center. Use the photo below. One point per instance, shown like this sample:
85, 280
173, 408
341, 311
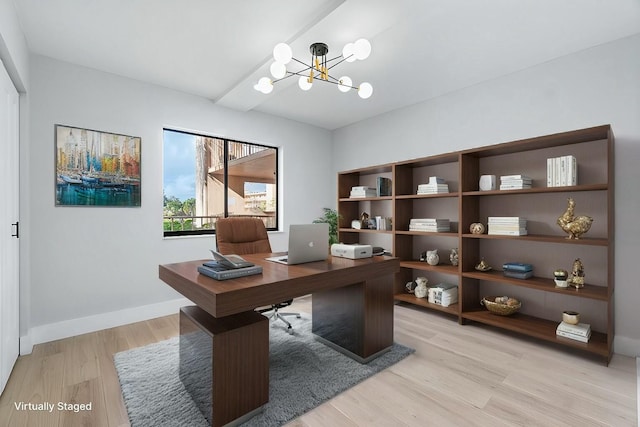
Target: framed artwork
96, 168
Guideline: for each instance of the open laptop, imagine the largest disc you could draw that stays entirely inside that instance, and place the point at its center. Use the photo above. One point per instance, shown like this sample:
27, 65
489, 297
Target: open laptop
307, 243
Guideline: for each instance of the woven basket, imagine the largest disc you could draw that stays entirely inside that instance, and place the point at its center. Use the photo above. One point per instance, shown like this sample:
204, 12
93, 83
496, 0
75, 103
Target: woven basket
499, 308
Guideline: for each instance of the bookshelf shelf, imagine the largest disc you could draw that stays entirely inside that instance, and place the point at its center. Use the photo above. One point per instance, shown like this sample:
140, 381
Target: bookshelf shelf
546, 246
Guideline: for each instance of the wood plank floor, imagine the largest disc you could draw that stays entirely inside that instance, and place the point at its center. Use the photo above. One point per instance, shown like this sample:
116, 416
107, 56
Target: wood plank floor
458, 376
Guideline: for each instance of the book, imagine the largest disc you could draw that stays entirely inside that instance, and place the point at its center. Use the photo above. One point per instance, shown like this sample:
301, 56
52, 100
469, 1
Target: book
436, 180
580, 329
517, 266
569, 335
432, 188
231, 261
362, 192
510, 177
519, 232
429, 224
562, 171
518, 274
219, 271
383, 186
443, 294
506, 219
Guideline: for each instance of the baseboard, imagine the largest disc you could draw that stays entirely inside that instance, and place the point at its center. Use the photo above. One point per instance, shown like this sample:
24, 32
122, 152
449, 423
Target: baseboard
626, 346
83, 325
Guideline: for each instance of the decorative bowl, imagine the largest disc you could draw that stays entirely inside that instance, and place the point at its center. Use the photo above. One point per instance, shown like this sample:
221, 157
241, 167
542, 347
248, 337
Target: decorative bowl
500, 309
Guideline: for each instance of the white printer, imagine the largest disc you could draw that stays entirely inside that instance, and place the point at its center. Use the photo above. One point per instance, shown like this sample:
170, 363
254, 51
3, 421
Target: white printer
351, 251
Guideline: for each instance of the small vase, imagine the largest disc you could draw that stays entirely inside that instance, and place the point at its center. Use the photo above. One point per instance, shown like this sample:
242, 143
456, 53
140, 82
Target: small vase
453, 257
432, 257
421, 289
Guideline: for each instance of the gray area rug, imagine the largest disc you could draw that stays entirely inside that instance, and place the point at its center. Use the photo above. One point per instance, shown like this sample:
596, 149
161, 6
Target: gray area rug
303, 373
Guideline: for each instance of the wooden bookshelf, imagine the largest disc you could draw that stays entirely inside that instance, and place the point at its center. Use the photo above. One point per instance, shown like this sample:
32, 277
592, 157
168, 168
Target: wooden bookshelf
546, 244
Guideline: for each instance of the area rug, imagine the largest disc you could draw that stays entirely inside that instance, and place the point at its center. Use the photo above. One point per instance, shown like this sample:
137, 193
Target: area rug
303, 373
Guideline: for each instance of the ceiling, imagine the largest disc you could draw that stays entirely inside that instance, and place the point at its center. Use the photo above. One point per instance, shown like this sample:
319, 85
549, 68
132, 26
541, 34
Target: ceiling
421, 49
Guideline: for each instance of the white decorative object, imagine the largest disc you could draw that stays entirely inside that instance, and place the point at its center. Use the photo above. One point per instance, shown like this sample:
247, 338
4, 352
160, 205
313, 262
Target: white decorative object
421, 289
432, 257
487, 182
477, 228
453, 257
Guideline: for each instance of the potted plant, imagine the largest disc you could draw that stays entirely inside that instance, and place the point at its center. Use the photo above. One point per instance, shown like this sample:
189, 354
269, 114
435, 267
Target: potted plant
330, 216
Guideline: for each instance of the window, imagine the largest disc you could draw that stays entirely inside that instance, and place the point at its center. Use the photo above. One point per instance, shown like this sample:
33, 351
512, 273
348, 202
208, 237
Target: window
206, 178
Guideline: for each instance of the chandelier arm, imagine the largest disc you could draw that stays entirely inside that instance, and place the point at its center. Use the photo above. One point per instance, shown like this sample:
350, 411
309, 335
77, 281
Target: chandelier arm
338, 83
300, 62
284, 78
339, 62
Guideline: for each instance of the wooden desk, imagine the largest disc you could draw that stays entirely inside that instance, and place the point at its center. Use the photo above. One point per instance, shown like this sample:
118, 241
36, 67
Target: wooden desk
352, 311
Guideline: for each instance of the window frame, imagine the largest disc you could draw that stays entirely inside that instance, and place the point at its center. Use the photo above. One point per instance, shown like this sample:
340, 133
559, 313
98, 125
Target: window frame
226, 142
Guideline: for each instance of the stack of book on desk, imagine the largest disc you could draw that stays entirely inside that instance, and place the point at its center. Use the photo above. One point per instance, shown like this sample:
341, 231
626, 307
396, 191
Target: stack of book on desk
436, 185
580, 332
429, 224
507, 226
514, 182
219, 271
517, 270
362, 192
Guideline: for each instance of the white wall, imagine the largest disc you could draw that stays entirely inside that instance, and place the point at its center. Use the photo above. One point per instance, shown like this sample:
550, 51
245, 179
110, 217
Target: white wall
597, 86
90, 261
13, 46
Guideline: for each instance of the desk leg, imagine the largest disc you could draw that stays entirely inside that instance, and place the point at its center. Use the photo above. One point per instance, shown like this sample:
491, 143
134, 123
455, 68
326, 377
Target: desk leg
224, 363
356, 319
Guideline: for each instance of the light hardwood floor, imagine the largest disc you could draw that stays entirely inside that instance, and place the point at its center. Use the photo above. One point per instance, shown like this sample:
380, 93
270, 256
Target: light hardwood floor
458, 376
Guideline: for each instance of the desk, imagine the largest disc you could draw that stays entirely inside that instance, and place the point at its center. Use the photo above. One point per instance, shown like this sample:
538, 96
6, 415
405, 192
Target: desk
352, 310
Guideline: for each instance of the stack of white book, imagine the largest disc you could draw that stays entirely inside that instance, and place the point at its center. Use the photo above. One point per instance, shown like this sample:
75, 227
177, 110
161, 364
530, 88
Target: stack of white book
580, 332
443, 294
507, 226
562, 171
362, 192
429, 224
436, 185
514, 182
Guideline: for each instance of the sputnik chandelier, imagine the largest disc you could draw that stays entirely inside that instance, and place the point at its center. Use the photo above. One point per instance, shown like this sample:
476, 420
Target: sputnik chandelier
319, 68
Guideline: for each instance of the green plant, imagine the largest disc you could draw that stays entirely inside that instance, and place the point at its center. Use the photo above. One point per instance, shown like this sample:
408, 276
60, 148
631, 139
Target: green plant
331, 217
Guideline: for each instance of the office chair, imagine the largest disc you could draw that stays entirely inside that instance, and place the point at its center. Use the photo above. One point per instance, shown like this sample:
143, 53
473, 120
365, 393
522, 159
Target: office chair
241, 236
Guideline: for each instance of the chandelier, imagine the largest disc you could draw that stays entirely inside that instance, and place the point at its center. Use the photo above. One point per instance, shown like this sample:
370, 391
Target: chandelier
318, 69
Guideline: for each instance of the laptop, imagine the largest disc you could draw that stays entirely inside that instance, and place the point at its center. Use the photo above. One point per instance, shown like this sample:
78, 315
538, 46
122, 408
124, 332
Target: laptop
307, 243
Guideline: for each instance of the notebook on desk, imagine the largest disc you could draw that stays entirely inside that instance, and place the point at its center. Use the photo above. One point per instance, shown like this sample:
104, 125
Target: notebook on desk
307, 243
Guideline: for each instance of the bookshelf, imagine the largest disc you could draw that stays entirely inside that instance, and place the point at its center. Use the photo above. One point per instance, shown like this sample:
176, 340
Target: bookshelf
545, 246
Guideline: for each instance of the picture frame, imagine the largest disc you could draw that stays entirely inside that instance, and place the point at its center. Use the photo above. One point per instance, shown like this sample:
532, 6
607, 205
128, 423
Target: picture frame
96, 168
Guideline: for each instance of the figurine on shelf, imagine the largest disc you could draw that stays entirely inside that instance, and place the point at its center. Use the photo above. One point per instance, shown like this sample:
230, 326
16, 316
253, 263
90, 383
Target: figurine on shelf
364, 221
476, 228
577, 274
432, 257
421, 289
453, 257
575, 226
411, 286
483, 266
560, 277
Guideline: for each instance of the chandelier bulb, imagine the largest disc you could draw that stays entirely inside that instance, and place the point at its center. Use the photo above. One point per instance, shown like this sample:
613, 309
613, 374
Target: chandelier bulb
264, 85
365, 90
345, 84
348, 52
278, 70
362, 49
304, 83
282, 53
